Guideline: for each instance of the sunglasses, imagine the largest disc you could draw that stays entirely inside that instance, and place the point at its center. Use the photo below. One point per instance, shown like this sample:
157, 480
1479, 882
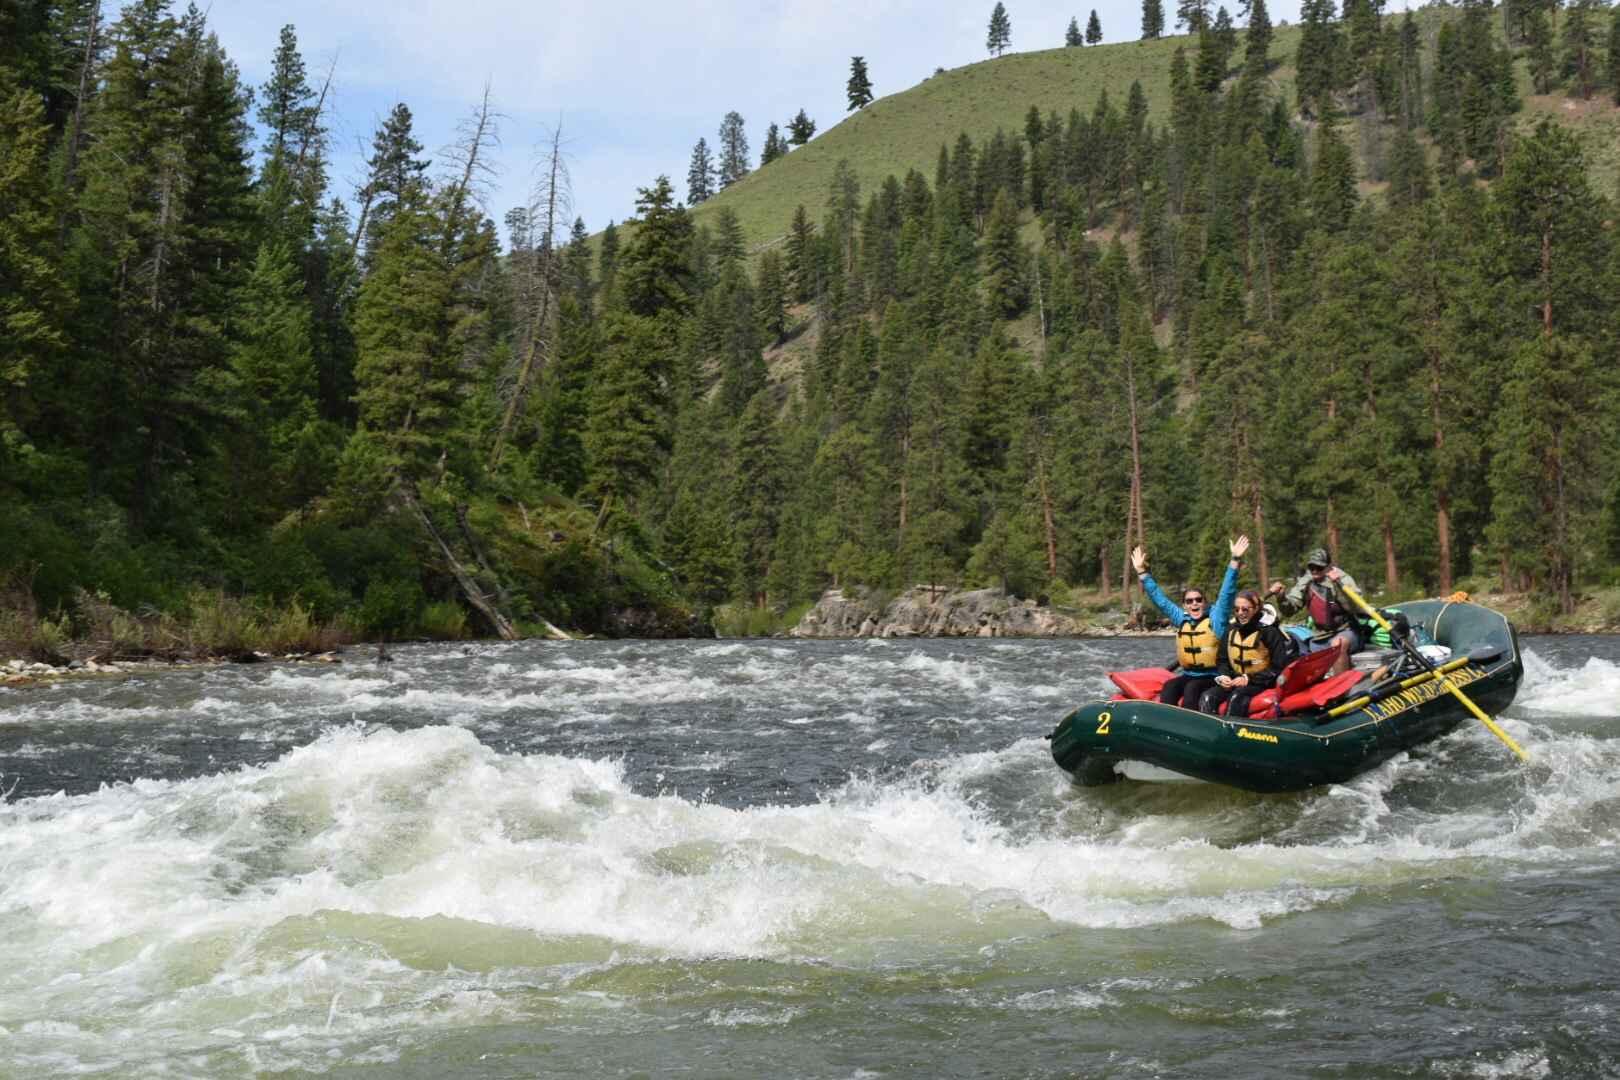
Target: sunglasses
1242, 607
1192, 599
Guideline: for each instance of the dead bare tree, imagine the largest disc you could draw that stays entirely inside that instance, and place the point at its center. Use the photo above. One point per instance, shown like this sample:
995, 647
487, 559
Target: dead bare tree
537, 279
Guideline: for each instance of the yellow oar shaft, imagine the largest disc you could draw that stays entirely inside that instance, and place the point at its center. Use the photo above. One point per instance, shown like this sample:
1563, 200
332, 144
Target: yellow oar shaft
1404, 684
1438, 674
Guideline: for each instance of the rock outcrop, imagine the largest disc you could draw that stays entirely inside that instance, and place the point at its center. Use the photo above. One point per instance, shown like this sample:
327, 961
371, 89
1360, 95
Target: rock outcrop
927, 611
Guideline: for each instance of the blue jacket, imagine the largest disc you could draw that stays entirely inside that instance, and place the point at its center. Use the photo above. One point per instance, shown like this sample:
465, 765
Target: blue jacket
1219, 615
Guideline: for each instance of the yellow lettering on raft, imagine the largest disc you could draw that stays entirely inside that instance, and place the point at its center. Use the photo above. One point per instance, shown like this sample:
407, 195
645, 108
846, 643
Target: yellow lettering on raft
1257, 736
1414, 696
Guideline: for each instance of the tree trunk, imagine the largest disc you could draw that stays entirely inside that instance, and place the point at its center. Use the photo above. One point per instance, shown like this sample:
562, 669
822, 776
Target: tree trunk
1442, 496
1260, 539
1392, 577
1332, 533
1046, 520
76, 132
1546, 281
1442, 529
469, 587
534, 358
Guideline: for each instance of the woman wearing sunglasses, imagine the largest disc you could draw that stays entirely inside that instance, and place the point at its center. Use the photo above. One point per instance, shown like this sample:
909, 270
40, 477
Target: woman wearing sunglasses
1199, 627
1252, 656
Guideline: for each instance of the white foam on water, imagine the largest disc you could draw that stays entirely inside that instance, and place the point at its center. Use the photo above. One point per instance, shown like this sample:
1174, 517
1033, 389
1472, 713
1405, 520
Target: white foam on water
1591, 690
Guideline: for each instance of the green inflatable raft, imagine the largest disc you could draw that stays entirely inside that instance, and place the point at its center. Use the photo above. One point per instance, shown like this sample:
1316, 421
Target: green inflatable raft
1320, 731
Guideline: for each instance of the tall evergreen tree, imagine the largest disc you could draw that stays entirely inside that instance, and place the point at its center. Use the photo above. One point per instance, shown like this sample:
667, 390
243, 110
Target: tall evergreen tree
1257, 47
775, 146
34, 297
859, 87
653, 271
392, 168
800, 129
1006, 260
1000, 34
1614, 55
1094, 29
1581, 33
1318, 58
1072, 37
1152, 19
700, 174
733, 163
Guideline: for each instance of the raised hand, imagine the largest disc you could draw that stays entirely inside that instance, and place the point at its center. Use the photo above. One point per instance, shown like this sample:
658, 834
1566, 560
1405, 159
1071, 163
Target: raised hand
1239, 546
1139, 559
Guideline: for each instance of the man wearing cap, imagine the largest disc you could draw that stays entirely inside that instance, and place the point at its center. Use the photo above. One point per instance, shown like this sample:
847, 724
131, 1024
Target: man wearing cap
1319, 595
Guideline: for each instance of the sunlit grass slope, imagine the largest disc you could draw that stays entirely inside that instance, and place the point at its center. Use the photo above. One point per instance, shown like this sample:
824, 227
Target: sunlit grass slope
905, 130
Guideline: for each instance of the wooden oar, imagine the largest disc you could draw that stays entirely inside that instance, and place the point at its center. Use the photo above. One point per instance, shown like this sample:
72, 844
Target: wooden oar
1415, 653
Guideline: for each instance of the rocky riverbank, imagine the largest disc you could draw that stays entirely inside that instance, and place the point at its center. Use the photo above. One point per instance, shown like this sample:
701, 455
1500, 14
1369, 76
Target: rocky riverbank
18, 673
929, 611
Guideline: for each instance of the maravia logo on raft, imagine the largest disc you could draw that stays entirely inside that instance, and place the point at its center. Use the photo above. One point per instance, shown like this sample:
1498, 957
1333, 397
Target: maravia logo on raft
1257, 736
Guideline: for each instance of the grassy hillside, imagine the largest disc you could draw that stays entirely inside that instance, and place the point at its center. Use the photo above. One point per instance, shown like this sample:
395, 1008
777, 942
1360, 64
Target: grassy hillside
905, 130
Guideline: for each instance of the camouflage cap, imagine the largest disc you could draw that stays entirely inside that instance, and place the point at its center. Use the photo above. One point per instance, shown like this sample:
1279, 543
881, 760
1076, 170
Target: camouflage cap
1319, 557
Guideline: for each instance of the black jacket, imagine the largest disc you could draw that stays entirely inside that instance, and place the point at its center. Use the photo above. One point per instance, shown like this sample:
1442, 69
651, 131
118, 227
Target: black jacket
1273, 638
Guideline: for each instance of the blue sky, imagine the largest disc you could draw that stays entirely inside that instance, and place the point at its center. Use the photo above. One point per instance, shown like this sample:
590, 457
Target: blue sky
634, 85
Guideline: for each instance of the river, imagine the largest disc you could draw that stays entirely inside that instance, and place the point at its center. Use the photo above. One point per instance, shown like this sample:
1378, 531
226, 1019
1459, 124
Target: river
787, 859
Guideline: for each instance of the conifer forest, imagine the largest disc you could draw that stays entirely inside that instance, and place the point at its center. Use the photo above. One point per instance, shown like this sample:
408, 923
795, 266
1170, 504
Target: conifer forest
1376, 312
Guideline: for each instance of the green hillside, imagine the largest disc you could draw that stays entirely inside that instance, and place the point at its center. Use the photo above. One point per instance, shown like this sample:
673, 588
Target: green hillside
905, 130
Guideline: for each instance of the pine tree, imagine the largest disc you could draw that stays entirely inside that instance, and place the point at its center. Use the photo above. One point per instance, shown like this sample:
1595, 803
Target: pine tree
1333, 179
1614, 56
408, 382
285, 111
1094, 33
801, 255
1000, 35
34, 298
282, 455
775, 146
770, 304
627, 432
700, 174
1317, 59
1192, 15
166, 216
1580, 36
755, 490
1257, 47
653, 272
1408, 171
859, 88
1549, 237
1072, 37
733, 163
1546, 495
1152, 19
392, 168
1006, 260
800, 129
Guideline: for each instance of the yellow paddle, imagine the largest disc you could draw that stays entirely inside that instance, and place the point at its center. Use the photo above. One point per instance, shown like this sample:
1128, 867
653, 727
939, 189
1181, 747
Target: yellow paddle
1412, 650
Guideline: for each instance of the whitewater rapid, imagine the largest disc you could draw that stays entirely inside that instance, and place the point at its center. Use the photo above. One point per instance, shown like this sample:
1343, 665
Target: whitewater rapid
520, 820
